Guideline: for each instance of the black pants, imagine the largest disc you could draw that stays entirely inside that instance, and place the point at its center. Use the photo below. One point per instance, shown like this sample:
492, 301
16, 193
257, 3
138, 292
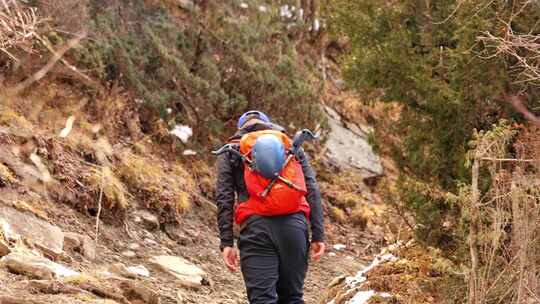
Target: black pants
274, 258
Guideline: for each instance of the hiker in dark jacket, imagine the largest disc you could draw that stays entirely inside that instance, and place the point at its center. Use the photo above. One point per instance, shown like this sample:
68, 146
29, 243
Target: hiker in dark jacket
274, 250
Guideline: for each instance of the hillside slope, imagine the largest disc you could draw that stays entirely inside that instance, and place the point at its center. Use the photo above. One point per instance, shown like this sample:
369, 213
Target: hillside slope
104, 155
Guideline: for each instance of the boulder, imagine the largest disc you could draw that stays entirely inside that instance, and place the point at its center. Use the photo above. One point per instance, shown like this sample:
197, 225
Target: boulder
185, 272
72, 240
36, 266
150, 220
16, 224
347, 147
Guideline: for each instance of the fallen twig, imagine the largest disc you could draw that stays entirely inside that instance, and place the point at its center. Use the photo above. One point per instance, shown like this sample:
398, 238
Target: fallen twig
99, 208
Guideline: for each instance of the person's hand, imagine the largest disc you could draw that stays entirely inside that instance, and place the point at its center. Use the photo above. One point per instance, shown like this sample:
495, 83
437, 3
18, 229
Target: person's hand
317, 250
230, 257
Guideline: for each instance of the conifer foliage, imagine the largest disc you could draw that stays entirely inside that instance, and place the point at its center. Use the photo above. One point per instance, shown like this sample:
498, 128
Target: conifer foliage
431, 59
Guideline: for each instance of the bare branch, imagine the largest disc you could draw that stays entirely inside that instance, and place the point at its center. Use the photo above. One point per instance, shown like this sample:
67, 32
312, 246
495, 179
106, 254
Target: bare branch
18, 27
523, 48
517, 102
54, 59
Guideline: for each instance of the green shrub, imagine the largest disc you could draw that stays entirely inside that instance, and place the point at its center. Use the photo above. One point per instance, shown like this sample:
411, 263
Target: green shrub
207, 68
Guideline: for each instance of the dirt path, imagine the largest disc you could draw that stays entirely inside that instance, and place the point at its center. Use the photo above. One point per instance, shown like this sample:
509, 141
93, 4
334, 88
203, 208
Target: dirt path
229, 287
196, 240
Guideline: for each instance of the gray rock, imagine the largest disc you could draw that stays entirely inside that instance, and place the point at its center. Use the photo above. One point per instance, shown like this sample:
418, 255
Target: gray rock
72, 240
150, 242
348, 148
36, 266
186, 4
185, 272
132, 272
17, 224
150, 220
129, 254
134, 246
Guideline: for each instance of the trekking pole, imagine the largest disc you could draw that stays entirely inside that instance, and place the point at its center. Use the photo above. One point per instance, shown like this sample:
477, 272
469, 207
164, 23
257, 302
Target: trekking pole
232, 148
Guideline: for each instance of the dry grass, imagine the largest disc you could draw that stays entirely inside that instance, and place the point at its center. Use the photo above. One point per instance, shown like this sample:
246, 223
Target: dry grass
205, 177
166, 191
414, 277
6, 176
347, 199
361, 215
15, 123
338, 215
19, 27
114, 192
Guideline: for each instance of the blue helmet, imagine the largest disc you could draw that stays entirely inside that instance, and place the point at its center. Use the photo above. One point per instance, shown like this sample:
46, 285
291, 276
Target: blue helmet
269, 156
243, 119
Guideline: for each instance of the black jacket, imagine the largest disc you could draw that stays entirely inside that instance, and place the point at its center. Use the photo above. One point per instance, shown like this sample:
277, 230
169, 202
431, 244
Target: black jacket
231, 188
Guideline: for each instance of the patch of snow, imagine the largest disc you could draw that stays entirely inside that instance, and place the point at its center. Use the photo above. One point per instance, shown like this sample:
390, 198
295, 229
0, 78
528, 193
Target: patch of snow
359, 277
182, 132
353, 283
169, 110
189, 152
69, 125
244, 5
286, 12
339, 246
263, 9
316, 25
139, 270
62, 271
361, 297
301, 14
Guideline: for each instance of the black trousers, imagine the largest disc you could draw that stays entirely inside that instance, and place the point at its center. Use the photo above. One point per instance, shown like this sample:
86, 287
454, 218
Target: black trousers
274, 258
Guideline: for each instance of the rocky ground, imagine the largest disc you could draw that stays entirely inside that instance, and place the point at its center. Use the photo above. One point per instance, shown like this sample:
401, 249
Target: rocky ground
98, 273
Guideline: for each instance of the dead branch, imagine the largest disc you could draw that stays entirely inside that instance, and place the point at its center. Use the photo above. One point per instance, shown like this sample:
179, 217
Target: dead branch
517, 102
523, 48
71, 68
18, 27
54, 59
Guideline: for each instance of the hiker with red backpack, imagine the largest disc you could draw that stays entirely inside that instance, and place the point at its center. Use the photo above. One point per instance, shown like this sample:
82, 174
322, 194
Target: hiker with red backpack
266, 185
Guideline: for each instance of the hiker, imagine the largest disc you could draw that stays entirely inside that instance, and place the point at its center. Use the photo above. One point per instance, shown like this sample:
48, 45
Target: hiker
274, 243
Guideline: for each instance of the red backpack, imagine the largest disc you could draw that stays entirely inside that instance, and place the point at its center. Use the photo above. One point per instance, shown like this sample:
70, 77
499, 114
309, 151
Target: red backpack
280, 198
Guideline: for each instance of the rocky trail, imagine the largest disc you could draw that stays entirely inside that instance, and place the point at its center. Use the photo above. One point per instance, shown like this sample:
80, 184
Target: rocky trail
123, 266
51, 252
